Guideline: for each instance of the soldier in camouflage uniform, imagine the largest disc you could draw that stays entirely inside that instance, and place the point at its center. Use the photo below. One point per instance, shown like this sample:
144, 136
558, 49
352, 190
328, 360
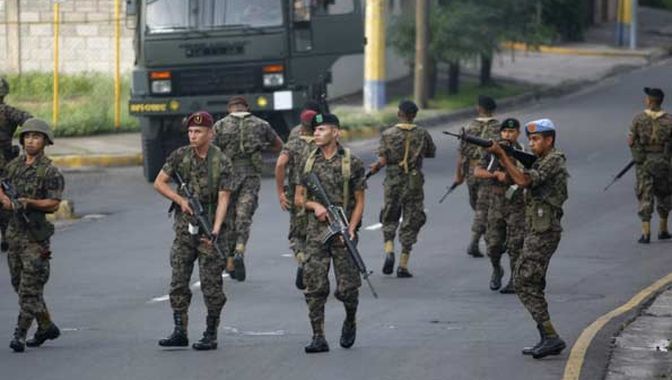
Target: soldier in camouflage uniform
506, 213
10, 119
243, 137
650, 141
343, 178
38, 186
402, 150
298, 144
546, 182
208, 174
487, 127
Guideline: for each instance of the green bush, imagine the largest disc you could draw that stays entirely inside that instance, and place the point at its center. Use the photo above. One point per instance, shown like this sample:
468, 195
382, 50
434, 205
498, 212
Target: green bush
86, 101
665, 4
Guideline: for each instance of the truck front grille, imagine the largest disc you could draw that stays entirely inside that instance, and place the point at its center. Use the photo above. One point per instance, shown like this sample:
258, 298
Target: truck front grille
212, 81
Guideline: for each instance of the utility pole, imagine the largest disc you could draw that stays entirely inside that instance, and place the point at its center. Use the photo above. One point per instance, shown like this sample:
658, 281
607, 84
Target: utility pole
421, 42
633, 24
374, 56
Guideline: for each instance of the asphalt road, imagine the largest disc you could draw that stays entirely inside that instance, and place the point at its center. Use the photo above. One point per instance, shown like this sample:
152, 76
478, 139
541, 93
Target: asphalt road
111, 270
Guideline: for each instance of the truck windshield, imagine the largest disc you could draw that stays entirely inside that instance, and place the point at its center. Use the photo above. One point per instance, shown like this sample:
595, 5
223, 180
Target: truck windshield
167, 16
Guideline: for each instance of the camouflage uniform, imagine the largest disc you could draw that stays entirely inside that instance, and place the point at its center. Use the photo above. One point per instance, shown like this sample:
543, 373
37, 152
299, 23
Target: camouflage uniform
296, 148
403, 147
188, 248
506, 216
651, 134
29, 251
242, 137
319, 256
544, 200
486, 128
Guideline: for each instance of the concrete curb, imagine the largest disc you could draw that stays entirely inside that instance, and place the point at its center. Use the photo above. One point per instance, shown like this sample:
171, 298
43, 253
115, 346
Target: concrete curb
583, 52
97, 160
66, 211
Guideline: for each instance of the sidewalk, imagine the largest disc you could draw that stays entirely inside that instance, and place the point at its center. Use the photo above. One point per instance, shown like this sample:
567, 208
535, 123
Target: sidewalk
552, 71
643, 350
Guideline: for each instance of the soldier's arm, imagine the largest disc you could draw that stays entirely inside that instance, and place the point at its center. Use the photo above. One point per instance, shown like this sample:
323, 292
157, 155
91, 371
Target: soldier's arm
280, 167
317, 208
459, 171
54, 185
44, 205
162, 186
222, 206
382, 157
357, 212
272, 138
632, 132
16, 116
518, 177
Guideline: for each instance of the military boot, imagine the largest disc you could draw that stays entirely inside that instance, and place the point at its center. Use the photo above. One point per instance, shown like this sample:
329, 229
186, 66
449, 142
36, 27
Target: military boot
646, 233
473, 249
4, 246
317, 345
179, 336
239, 264
663, 234
508, 289
18, 343
402, 270
551, 344
209, 340
497, 274
388, 266
51, 332
530, 350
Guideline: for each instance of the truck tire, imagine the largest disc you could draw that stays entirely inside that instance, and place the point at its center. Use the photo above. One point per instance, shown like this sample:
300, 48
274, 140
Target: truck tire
153, 157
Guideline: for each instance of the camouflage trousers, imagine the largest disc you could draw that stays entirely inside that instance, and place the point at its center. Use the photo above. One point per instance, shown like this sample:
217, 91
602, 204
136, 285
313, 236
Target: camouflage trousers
480, 223
316, 279
530, 275
242, 206
29, 272
5, 216
402, 201
298, 222
506, 227
185, 251
649, 188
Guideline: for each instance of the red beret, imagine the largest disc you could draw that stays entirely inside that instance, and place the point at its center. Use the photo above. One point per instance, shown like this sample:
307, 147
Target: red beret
307, 116
200, 119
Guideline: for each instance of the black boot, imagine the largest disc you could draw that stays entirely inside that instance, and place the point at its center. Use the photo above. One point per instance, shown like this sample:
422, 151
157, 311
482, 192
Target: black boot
317, 345
403, 273
209, 340
530, 350
551, 344
348, 334
644, 239
509, 289
179, 336
239, 263
4, 246
298, 281
664, 235
42, 335
18, 343
388, 267
496, 278
473, 249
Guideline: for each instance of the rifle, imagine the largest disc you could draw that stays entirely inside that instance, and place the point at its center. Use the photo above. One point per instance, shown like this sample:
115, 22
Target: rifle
199, 213
36, 225
450, 189
18, 208
620, 174
338, 226
527, 159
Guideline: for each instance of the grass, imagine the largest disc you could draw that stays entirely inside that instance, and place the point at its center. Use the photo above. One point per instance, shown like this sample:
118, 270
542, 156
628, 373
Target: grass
351, 117
86, 102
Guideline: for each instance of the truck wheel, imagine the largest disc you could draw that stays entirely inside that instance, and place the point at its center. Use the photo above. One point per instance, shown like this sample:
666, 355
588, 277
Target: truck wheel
153, 157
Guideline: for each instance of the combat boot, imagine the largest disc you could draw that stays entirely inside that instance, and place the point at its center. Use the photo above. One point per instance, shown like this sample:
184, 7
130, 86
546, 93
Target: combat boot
402, 270
18, 343
239, 264
388, 266
530, 350
42, 335
663, 234
497, 274
179, 336
473, 249
317, 345
348, 334
551, 343
646, 233
298, 281
209, 340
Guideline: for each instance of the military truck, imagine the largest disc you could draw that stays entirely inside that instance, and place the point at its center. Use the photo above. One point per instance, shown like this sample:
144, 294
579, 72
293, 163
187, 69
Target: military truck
193, 55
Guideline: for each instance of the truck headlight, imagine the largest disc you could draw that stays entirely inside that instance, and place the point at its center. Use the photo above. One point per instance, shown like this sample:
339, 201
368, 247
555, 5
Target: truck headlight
274, 80
162, 87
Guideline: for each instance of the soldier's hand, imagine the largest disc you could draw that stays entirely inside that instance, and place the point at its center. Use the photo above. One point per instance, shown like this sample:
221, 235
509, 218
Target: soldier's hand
500, 176
374, 168
24, 203
184, 206
496, 149
6, 203
321, 213
284, 202
352, 231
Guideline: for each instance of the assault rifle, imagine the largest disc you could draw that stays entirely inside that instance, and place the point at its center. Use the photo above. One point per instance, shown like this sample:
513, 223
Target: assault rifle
527, 159
338, 226
620, 174
18, 208
199, 213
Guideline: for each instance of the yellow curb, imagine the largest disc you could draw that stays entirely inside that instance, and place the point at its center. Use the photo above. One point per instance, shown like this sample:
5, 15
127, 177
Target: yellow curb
578, 353
359, 133
575, 51
97, 160
66, 211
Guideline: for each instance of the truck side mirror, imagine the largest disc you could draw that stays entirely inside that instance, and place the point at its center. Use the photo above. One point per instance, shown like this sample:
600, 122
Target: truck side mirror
131, 7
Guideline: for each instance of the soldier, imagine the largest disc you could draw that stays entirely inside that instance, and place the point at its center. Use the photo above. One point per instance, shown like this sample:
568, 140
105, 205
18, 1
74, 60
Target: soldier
506, 213
546, 182
38, 185
208, 174
487, 127
402, 150
298, 144
342, 176
650, 142
242, 137
10, 119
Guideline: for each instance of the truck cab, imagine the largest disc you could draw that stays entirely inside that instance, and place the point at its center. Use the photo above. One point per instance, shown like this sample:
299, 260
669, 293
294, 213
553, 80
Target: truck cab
193, 55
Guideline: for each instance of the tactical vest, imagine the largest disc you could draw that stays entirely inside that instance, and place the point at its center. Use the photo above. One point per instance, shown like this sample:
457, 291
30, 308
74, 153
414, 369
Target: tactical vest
346, 170
214, 164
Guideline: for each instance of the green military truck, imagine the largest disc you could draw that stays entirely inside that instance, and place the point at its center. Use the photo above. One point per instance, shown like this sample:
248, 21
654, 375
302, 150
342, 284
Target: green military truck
193, 55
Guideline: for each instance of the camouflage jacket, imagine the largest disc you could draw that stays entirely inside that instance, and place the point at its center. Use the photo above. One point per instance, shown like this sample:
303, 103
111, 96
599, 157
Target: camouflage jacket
651, 133
40, 180
404, 146
10, 119
483, 127
547, 192
194, 171
491, 163
296, 148
330, 174
242, 138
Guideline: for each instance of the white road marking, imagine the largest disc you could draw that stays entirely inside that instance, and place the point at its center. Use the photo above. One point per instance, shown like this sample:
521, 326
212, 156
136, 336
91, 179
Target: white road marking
287, 255
374, 227
235, 331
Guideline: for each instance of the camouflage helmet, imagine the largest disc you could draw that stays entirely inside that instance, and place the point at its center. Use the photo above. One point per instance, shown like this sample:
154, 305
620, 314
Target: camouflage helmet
37, 125
4, 87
